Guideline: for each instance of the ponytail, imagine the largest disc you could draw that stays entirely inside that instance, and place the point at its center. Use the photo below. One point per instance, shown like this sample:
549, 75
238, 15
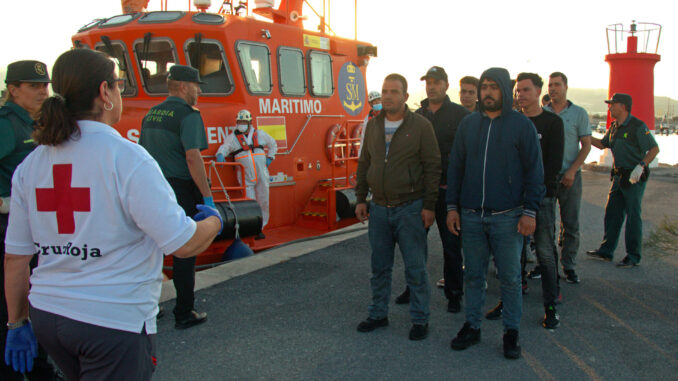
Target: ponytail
55, 123
76, 77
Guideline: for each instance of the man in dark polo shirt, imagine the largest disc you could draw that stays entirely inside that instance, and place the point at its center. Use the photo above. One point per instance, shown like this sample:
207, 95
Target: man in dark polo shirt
174, 134
633, 147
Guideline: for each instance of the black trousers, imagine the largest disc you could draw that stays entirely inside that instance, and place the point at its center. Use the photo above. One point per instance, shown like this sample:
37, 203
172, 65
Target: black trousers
188, 196
42, 369
452, 259
89, 352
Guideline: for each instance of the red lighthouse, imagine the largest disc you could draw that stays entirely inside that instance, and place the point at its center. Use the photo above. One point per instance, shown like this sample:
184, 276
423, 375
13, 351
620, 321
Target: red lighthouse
632, 72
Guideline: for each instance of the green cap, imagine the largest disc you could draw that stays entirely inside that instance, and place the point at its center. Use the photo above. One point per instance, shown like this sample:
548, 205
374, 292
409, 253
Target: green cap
184, 74
27, 71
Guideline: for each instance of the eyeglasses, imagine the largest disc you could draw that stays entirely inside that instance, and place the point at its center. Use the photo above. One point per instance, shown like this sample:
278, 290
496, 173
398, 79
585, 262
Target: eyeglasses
120, 82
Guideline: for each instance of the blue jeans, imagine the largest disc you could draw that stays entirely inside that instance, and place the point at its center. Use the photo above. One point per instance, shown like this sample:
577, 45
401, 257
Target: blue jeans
570, 203
486, 233
401, 225
545, 246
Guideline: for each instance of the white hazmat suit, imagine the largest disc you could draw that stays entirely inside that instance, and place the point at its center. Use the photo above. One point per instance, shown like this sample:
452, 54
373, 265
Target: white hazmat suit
253, 157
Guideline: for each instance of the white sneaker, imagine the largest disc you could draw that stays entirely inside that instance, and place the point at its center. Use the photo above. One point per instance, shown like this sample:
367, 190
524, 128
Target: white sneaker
441, 283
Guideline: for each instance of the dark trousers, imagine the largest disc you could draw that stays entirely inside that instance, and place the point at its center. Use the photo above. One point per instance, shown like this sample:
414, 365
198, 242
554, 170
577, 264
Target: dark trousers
42, 369
183, 272
624, 203
452, 258
89, 352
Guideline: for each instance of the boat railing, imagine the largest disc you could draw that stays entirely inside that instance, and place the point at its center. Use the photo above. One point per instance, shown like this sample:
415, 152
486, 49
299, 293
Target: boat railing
220, 192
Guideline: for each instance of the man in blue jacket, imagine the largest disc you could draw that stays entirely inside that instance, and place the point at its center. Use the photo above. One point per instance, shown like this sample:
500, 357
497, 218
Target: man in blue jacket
495, 184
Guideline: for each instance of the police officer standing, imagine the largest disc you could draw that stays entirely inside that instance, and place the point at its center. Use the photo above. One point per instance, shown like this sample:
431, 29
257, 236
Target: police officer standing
26, 90
633, 148
174, 134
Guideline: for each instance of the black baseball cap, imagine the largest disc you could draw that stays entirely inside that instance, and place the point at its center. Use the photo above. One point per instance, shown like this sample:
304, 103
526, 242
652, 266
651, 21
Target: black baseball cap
27, 71
184, 74
622, 98
435, 72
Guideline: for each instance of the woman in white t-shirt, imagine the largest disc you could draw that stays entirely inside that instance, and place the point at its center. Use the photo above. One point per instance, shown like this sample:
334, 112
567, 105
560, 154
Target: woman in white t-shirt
99, 213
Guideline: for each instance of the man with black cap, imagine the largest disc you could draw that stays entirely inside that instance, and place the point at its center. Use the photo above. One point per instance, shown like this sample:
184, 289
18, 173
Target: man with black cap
633, 148
26, 90
445, 117
174, 134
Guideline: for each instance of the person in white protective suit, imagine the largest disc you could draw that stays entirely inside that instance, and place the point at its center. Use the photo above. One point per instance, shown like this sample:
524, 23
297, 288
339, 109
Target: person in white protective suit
246, 146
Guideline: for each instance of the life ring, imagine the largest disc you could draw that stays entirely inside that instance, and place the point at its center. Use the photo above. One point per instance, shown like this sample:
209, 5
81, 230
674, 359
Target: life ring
355, 144
339, 151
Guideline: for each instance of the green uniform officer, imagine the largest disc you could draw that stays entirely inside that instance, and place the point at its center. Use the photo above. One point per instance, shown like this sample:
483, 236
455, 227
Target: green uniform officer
174, 134
633, 148
26, 90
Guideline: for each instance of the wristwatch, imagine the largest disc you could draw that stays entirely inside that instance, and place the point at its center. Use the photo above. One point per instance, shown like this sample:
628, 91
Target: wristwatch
642, 164
18, 324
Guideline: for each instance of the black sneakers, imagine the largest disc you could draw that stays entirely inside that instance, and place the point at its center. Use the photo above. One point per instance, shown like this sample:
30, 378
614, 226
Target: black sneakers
419, 331
403, 298
626, 263
370, 324
571, 277
598, 255
454, 304
194, 318
466, 337
511, 347
535, 273
495, 313
551, 319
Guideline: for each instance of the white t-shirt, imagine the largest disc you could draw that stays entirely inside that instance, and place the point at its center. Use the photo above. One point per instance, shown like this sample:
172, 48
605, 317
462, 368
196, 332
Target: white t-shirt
100, 214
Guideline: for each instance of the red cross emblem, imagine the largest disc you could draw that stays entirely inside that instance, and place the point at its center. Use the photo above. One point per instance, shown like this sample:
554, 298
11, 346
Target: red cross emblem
63, 199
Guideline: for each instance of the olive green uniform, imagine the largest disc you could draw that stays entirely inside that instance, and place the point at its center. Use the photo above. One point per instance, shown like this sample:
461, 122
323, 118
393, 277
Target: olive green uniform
16, 127
167, 132
629, 143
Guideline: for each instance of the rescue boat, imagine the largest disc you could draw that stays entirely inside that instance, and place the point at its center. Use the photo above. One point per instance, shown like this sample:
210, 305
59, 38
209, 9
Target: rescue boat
304, 88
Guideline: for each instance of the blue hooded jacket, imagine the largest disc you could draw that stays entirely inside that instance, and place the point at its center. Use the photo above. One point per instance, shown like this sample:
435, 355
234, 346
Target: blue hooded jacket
496, 164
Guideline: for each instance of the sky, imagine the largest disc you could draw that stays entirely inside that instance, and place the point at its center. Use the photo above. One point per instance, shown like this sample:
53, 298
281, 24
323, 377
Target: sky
465, 37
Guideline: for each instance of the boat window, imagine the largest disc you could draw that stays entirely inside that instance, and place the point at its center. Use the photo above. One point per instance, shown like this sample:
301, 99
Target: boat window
208, 57
160, 17
154, 60
291, 71
119, 20
118, 52
321, 74
90, 25
208, 18
255, 63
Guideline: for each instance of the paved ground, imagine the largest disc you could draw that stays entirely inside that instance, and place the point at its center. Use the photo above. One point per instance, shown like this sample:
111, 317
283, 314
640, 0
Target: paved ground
296, 320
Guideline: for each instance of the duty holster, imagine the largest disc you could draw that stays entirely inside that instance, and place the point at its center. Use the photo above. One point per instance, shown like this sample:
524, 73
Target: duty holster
625, 174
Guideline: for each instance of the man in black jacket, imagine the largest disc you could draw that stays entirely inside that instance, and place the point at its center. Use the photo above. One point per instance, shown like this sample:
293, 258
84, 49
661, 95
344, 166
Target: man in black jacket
445, 117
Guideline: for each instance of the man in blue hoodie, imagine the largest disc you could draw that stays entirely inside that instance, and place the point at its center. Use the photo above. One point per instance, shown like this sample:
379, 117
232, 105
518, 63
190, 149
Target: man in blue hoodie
495, 184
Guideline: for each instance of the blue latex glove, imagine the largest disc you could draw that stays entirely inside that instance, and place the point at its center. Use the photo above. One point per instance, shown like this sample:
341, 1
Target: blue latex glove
21, 348
205, 211
220, 158
268, 161
209, 201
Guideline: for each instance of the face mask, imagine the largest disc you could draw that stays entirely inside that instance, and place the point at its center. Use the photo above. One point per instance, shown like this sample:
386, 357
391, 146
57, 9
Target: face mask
241, 127
377, 107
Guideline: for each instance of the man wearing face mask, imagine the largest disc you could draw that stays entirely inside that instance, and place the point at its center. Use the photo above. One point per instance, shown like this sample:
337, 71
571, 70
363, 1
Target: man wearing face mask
246, 145
374, 97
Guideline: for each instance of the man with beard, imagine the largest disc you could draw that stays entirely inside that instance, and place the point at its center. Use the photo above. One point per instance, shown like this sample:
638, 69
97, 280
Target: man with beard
400, 165
445, 117
495, 184
174, 134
